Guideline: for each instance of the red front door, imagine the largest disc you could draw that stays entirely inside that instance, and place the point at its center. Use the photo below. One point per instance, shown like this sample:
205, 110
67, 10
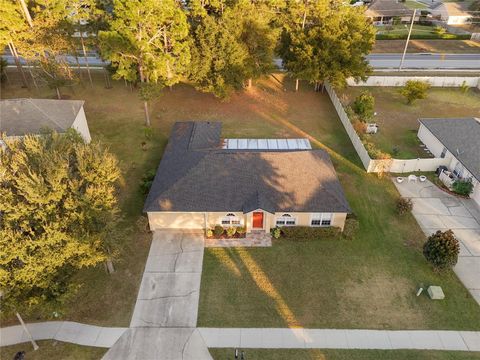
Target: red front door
258, 220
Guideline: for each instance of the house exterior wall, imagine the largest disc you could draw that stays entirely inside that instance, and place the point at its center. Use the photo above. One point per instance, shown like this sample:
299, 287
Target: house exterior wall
458, 20
432, 143
436, 148
197, 220
80, 124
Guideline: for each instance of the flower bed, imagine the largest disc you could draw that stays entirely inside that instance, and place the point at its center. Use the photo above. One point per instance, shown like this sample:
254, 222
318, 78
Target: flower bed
232, 232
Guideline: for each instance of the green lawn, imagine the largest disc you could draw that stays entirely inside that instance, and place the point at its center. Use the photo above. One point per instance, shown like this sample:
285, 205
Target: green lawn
398, 121
115, 116
412, 4
330, 354
402, 29
369, 282
53, 350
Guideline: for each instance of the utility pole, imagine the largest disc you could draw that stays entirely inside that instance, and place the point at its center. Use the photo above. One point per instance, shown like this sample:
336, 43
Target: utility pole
26, 13
34, 343
408, 39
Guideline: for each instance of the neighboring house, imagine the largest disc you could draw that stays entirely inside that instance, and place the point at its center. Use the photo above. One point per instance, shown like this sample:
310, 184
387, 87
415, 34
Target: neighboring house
454, 13
19, 117
459, 141
383, 12
201, 182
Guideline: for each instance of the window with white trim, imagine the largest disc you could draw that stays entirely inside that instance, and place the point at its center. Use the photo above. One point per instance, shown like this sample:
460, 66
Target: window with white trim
231, 219
285, 220
321, 219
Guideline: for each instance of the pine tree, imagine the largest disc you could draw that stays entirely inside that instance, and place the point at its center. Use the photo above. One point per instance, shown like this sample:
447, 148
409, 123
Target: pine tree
218, 56
58, 211
12, 28
233, 41
147, 41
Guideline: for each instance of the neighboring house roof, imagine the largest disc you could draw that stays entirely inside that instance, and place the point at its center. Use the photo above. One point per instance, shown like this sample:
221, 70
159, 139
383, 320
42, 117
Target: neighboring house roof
461, 137
452, 8
387, 8
192, 179
19, 117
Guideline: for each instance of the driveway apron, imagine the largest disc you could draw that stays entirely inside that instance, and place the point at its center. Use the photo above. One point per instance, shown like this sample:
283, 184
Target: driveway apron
435, 210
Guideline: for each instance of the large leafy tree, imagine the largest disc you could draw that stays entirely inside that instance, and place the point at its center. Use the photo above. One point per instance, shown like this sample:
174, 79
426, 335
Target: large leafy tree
259, 36
57, 213
217, 55
233, 41
48, 38
325, 40
147, 41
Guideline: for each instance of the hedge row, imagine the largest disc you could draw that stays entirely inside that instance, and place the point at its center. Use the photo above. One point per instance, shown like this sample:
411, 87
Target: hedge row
423, 36
305, 233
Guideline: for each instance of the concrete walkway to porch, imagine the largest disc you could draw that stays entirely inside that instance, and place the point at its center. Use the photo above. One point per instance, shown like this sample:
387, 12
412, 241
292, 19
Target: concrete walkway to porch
434, 210
252, 239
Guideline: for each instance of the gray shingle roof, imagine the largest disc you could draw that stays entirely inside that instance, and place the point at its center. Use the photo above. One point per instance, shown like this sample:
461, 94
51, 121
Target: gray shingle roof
461, 137
28, 116
241, 180
387, 8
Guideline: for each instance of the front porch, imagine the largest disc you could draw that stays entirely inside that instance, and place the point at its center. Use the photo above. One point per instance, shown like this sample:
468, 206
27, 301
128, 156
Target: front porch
251, 239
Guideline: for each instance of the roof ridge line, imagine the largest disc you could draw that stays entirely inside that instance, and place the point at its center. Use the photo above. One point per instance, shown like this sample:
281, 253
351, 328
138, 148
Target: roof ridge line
44, 113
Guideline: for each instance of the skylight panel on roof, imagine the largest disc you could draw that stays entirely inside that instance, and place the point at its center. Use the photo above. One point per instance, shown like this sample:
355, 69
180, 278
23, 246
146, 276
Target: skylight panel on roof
267, 144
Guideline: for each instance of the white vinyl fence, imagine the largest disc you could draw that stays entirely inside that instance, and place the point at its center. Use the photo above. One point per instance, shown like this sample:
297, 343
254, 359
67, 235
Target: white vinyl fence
435, 81
352, 134
374, 165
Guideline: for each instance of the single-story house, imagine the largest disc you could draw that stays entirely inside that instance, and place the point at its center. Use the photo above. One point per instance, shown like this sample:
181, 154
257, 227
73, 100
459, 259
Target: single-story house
201, 182
459, 141
454, 13
383, 12
19, 117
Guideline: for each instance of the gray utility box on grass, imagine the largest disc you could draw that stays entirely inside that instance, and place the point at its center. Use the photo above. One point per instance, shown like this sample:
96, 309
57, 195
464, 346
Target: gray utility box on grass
435, 293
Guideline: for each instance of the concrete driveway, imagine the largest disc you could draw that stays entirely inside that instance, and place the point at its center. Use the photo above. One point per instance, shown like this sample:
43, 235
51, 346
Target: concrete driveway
164, 320
435, 210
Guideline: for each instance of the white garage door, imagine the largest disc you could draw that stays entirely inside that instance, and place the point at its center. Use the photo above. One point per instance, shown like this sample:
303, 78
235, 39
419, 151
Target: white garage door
163, 220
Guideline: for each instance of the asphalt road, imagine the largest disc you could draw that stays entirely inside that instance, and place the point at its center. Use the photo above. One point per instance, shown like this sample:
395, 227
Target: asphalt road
425, 61
378, 61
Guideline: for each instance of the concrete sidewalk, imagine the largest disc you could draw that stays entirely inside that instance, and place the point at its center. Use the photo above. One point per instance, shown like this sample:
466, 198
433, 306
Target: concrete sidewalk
435, 210
265, 338
66, 331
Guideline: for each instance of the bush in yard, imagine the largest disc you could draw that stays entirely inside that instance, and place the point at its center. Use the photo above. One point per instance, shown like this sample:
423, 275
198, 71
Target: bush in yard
360, 127
464, 87
276, 232
209, 232
363, 105
351, 228
303, 233
218, 230
147, 181
463, 187
231, 231
241, 230
439, 30
415, 90
403, 205
441, 249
